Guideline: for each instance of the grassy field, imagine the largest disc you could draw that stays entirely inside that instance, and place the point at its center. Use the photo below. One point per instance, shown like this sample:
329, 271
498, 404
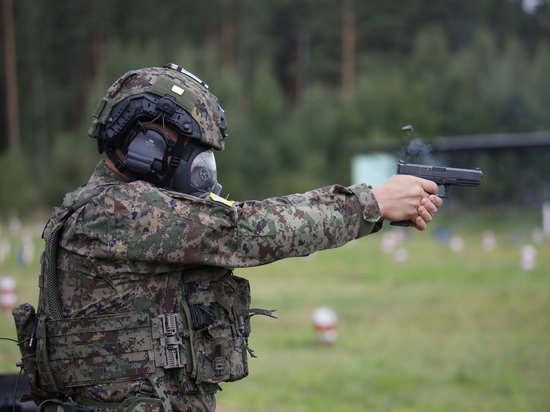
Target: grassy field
421, 328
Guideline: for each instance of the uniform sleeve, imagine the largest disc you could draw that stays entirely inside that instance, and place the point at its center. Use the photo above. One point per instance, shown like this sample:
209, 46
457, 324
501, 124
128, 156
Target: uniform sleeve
298, 225
141, 226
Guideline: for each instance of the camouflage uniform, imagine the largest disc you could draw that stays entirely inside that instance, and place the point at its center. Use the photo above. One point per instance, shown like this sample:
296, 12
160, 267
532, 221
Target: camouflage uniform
133, 250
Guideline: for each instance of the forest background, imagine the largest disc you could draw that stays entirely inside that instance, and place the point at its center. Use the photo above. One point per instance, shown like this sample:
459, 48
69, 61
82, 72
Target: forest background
307, 84
301, 81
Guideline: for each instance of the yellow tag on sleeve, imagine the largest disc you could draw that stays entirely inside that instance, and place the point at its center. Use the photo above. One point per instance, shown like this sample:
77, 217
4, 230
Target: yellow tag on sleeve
220, 199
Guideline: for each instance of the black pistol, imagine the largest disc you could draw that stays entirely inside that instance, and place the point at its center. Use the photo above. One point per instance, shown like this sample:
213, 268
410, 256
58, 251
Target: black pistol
442, 176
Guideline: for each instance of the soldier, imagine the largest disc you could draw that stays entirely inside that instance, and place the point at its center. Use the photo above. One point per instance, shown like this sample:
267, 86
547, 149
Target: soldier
139, 308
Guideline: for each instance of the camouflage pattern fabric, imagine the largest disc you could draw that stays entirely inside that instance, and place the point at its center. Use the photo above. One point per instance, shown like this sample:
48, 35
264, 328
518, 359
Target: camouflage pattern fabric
134, 248
136, 227
189, 94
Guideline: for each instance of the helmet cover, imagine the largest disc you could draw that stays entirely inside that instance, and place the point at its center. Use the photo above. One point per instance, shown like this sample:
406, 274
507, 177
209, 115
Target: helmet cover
172, 82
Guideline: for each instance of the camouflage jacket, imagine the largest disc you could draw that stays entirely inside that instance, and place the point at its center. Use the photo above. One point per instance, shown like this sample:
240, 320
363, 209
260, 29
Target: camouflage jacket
122, 250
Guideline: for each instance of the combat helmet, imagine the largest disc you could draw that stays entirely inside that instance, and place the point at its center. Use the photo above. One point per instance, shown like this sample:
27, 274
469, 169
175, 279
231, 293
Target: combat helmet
168, 95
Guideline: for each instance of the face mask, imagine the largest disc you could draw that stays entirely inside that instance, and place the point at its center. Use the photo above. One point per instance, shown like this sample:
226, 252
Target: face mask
196, 172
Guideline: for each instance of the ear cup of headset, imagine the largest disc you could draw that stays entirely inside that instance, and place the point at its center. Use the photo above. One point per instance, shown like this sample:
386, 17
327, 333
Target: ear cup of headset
146, 152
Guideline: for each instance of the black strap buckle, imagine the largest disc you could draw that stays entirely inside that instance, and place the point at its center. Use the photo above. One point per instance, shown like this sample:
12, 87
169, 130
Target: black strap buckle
145, 388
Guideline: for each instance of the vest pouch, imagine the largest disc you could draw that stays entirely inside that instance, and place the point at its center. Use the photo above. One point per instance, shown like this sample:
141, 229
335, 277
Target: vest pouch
26, 323
220, 357
219, 312
219, 342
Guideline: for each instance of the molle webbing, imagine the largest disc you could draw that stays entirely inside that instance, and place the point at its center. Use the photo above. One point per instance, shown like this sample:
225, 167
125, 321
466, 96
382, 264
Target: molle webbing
54, 303
86, 351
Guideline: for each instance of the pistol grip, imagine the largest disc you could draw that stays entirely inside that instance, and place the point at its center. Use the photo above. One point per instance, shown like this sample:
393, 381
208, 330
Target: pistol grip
404, 223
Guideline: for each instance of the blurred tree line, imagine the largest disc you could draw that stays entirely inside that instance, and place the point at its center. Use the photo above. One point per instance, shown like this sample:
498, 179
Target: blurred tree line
298, 80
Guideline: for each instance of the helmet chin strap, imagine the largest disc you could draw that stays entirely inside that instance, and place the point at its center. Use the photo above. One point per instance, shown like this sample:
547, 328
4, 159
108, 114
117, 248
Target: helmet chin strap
177, 154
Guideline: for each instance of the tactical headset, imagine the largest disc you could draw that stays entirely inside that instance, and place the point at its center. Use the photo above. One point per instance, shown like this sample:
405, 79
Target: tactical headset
150, 154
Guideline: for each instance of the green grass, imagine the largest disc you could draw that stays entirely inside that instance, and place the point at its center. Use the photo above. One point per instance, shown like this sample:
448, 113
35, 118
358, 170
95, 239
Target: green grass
444, 331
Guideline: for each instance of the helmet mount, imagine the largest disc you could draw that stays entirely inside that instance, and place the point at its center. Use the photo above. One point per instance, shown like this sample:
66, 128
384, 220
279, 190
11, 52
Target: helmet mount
146, 107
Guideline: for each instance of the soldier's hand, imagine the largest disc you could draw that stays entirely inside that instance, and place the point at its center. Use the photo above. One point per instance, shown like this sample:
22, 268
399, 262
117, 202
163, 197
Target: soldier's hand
404, 197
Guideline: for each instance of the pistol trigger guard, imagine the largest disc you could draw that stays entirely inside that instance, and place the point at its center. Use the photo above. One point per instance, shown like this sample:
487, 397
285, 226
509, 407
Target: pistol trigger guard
446, 194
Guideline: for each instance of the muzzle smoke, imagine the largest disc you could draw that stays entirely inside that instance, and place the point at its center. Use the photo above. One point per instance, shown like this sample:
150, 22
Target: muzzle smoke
414, 150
